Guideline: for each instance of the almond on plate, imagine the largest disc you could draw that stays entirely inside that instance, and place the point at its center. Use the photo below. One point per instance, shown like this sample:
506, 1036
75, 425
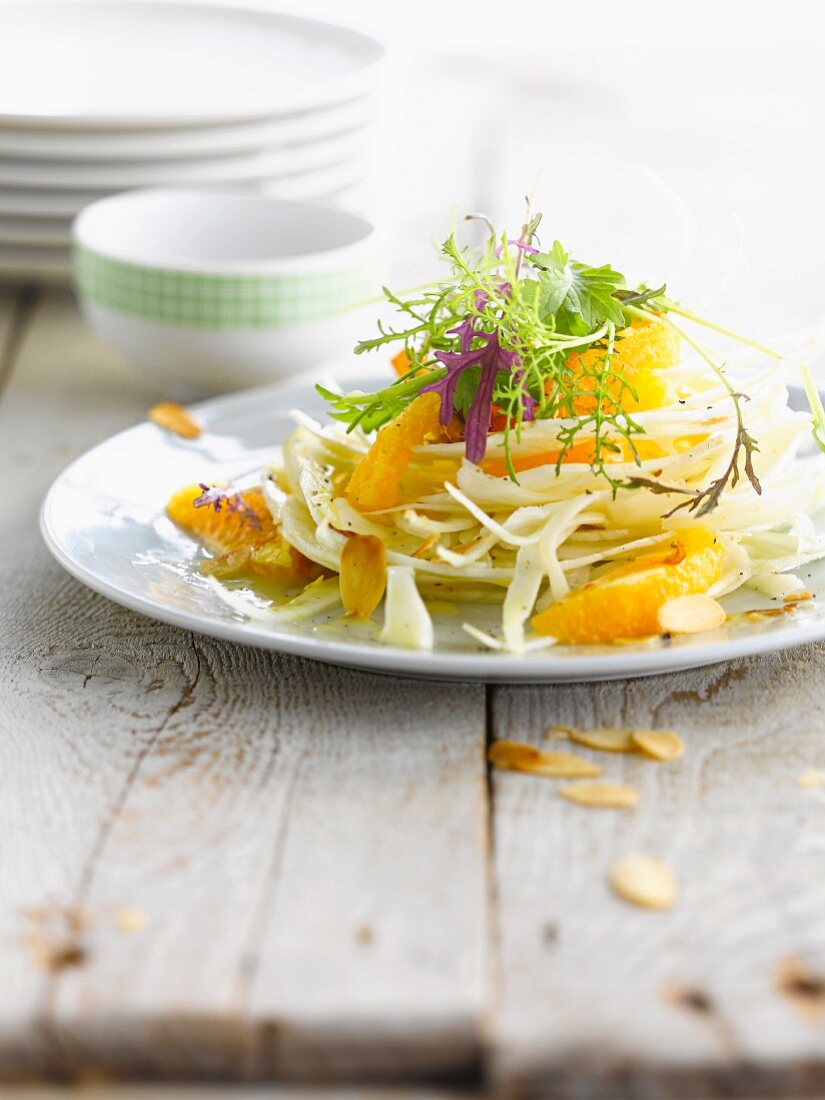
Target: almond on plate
174, 418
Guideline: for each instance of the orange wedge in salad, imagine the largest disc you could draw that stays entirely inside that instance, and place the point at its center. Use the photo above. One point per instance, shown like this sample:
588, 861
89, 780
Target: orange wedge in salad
401, 362
583, 452
246, 541
640, 352
624, 602
376, 479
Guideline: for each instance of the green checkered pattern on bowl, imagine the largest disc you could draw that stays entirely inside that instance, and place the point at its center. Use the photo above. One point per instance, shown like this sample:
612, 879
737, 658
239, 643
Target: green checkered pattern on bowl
218, 301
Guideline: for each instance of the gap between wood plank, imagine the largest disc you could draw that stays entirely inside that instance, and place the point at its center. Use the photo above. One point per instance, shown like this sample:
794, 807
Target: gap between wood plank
493, 925
25, 304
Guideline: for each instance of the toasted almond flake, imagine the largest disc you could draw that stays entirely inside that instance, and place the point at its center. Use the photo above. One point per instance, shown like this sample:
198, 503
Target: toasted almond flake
130, 919
607, 739
644, 881
810, 779
363, 575
690, 615
797, 597
660, 744
364, 933
804, 988
757, 614
607, 796
506, 753
527, 758
175, 418
559, 733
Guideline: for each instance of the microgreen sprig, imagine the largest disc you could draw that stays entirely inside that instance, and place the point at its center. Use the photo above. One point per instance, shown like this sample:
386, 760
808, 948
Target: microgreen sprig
495, 339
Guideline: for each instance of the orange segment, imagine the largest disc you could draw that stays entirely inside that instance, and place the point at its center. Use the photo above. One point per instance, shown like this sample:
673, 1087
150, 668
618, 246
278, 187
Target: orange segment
624, 602
245, 546
401, 362
579, 452
640, 351
222, 531
376, 480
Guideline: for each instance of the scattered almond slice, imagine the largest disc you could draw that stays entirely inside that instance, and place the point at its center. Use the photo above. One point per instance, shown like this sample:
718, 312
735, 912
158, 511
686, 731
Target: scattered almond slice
174, 418
690, 614
607, 739
797, 597
660, 744
515, 756
644, 881
506, 754
811, 779
608, 796
757, 614
559, 733
130, 919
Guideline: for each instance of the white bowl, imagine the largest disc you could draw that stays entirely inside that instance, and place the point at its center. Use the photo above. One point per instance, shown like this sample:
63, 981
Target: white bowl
213, 291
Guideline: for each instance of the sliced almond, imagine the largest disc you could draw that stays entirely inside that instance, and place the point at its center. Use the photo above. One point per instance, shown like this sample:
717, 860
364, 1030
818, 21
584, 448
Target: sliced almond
526, 758
559, 733
608, 796
130, 919
363, 575
175, 418
606, 739
508, 754
797, 597
690, 615
810, 779
660, 744
757, 614
644, 881
805, 988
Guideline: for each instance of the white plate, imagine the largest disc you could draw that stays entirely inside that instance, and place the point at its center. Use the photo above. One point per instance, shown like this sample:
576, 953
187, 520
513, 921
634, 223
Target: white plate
303, 186
103, 520
126, 175
91, 63
174, 144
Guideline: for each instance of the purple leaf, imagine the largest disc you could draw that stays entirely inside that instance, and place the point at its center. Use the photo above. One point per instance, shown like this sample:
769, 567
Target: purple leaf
214, 497
492, 358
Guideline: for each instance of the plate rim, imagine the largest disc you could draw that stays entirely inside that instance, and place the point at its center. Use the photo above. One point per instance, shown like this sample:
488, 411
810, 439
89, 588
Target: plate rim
481, 667
324, 92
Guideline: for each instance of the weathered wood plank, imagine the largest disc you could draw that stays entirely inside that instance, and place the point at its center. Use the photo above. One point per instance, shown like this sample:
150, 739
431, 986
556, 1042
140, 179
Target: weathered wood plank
57, 783
252, 851
596, 998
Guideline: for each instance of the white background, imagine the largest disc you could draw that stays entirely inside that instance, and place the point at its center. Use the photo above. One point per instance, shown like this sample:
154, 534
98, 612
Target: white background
680, 141
684, 141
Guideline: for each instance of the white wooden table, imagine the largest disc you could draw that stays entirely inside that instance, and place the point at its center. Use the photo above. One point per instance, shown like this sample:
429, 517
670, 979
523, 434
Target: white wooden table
226, 864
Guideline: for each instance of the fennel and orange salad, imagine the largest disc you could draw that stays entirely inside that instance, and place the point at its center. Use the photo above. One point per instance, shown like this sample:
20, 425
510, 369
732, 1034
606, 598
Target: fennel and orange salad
555, 442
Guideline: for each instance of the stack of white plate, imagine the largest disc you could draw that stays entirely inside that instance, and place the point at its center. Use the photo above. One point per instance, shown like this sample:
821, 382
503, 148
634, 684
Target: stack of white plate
99, 96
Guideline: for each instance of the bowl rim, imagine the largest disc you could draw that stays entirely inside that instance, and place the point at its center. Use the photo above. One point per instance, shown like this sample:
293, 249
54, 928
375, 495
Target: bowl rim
373, 238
